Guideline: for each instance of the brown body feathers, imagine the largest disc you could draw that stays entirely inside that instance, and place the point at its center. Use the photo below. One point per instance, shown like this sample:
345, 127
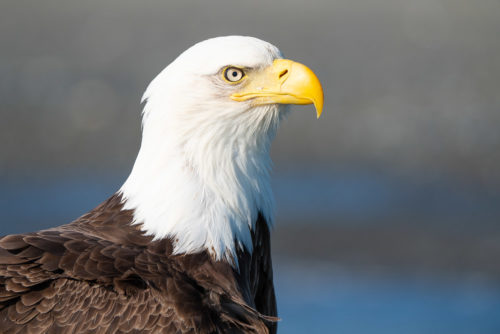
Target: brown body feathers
101, 274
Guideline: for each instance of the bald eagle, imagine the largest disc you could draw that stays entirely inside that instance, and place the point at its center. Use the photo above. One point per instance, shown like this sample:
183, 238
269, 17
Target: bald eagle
183, 246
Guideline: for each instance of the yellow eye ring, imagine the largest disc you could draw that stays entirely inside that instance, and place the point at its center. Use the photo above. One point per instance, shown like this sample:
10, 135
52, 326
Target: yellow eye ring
233, 74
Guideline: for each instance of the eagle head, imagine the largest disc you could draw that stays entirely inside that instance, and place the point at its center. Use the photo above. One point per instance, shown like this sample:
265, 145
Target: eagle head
201, 176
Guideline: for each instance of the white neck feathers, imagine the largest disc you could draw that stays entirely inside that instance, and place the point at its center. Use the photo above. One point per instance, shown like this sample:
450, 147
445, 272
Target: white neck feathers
203, 182
202, 174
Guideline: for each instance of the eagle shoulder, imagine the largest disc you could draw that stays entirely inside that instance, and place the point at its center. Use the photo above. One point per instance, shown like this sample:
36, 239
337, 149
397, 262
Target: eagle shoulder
101, 273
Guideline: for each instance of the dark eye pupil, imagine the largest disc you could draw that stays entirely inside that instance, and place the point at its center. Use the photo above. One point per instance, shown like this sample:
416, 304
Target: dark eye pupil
235, 74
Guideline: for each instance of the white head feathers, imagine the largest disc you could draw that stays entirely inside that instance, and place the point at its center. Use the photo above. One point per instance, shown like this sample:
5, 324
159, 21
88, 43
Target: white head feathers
202, 173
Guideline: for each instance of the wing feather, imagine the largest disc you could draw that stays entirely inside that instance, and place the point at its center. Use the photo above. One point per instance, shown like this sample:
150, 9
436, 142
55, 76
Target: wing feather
100, 274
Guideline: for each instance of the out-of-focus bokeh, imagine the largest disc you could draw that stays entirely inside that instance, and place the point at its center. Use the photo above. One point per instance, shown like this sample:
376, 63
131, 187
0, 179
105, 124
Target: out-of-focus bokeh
388, 207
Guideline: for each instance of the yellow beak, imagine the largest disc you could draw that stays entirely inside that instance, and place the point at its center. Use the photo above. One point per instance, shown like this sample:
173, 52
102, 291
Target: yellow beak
285, 82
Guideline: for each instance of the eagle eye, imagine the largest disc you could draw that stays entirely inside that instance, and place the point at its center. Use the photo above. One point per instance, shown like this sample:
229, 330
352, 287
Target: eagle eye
233, 74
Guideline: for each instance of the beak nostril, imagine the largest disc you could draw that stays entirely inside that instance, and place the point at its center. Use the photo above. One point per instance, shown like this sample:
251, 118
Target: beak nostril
283, 73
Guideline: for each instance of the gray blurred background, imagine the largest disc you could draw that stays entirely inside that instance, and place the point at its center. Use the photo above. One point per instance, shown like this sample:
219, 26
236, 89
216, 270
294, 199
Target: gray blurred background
388, 207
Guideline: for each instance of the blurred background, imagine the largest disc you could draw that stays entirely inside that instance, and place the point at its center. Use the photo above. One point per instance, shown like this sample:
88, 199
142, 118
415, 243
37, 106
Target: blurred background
388, 207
